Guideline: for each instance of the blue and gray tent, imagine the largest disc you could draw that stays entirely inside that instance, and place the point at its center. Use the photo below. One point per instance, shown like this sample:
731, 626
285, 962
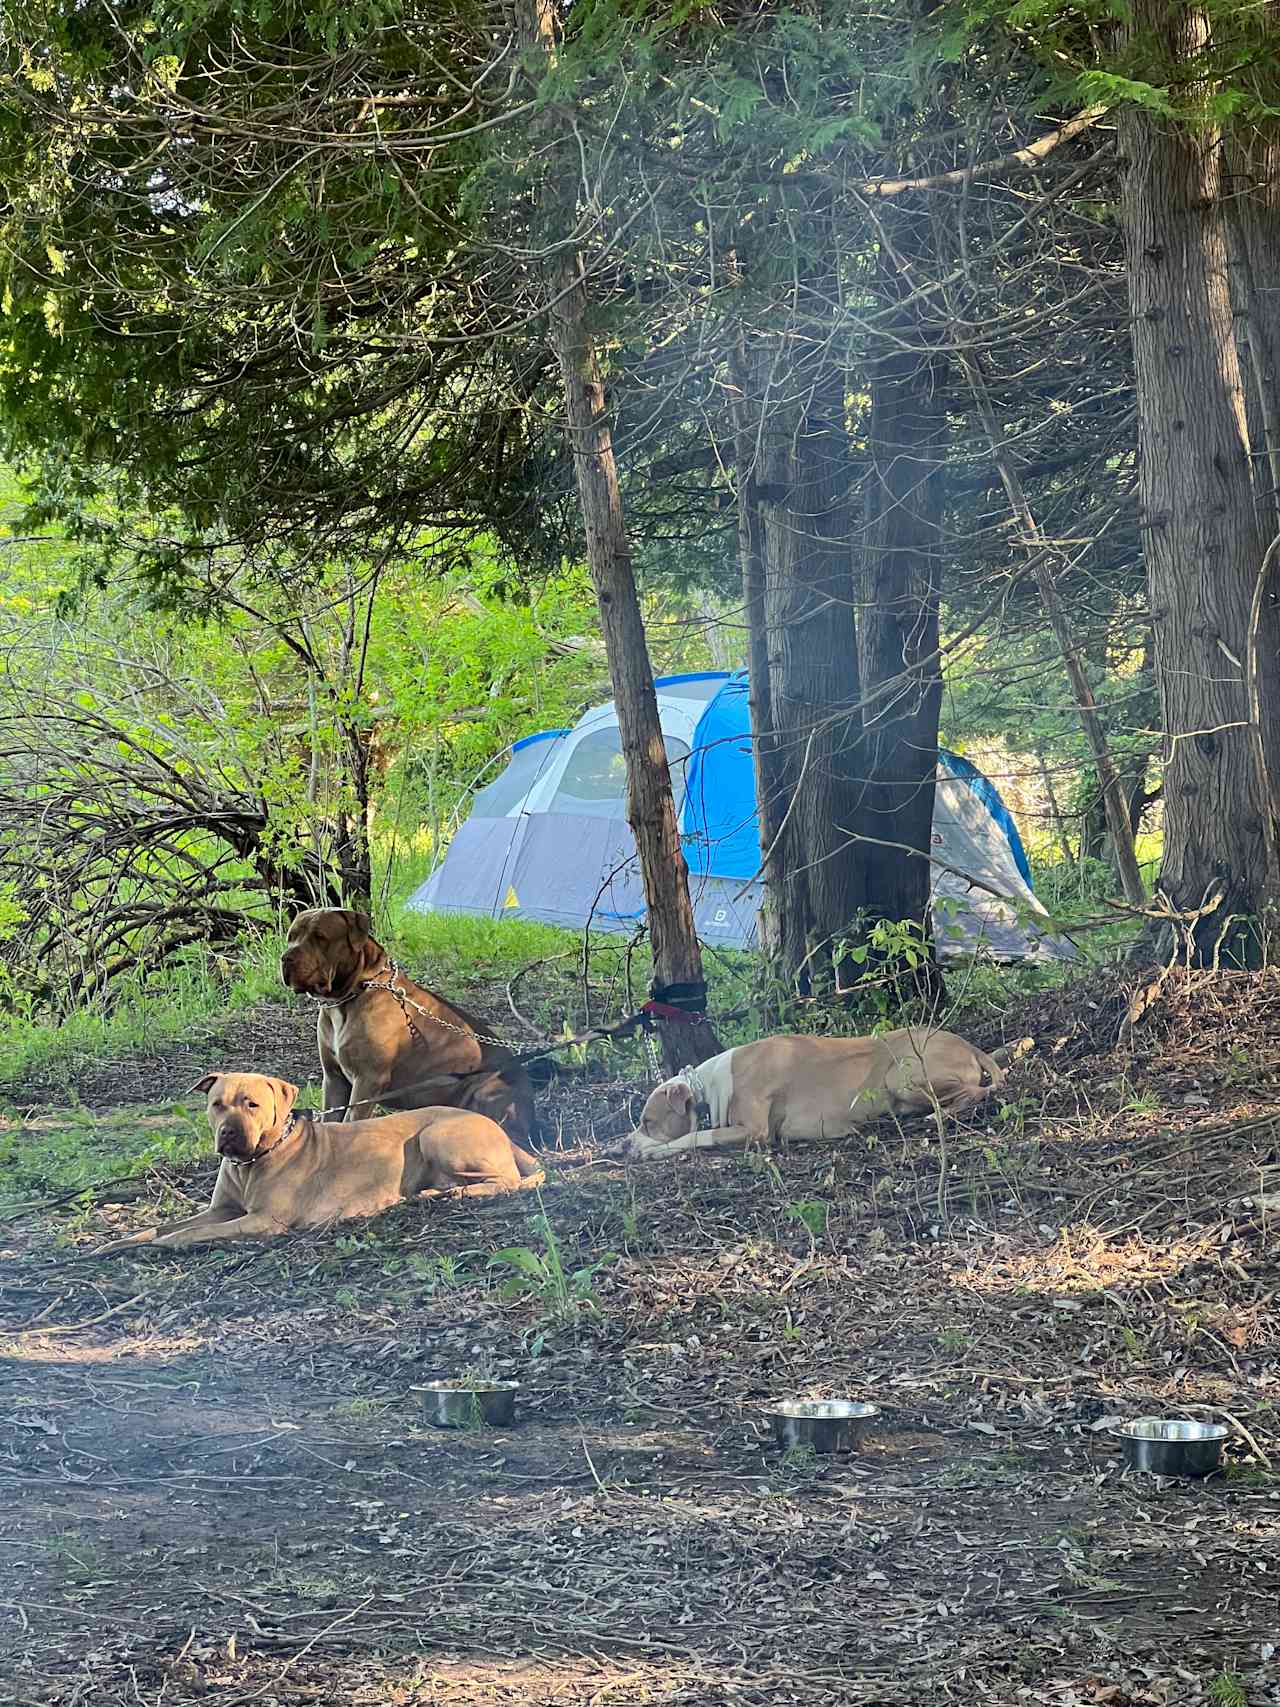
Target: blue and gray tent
548, 839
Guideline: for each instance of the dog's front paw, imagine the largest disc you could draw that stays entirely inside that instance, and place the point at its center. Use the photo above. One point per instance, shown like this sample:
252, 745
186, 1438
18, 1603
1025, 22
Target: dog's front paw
638, 1147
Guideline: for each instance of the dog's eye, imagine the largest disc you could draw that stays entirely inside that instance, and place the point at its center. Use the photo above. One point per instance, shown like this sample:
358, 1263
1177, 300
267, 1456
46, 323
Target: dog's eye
249, 1104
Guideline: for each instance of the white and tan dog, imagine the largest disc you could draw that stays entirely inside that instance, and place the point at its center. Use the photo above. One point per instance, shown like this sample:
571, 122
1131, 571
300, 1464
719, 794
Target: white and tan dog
813, 1087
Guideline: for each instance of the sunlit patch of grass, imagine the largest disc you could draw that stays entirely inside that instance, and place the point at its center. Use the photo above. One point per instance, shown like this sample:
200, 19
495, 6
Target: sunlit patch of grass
75, 1150
191, 992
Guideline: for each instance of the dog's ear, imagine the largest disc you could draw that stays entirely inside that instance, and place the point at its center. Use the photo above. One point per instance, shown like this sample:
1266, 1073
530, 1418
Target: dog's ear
678, 1094
368, 953
205, 1084
286, 1095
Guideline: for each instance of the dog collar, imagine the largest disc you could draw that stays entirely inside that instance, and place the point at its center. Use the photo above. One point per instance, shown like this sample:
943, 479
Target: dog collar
290, 1127
337, 1001
690, 1077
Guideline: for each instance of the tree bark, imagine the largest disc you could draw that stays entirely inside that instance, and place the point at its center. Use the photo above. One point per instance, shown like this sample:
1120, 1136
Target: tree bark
1204, 544
812, 646
770, 783
1253, 231
898, 618
352, 853
651, 813
1254, 223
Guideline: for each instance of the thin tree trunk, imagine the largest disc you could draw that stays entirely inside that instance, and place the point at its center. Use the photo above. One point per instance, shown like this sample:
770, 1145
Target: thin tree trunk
898, 618
751, 554
1257, 365
1253, 232
1204, 544
352, 852
1254, 218
1113, 794
651, 813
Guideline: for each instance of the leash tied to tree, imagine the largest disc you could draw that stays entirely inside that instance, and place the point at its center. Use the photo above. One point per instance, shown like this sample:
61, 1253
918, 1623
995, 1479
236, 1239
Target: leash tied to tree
680, 1003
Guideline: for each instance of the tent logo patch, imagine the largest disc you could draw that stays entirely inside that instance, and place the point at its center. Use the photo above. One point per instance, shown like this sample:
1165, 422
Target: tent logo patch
512, 900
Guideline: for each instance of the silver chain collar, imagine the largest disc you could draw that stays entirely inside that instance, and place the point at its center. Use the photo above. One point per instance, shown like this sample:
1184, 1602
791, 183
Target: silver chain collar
406, 1001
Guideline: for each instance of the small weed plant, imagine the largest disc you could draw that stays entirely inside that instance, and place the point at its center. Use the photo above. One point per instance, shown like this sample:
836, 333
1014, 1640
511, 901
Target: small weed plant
813, 1215
564, 1294
1227, 1690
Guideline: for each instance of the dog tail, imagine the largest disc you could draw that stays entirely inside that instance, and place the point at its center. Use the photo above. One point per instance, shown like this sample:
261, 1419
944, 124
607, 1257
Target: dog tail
530, 1169
995, 1067
1005, 1056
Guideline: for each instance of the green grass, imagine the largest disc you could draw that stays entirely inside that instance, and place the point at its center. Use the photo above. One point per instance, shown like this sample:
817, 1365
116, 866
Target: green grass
74, 1150
163, 1008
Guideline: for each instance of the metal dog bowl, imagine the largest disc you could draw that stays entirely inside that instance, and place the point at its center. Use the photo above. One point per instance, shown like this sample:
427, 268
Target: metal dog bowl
453, 1404
1171, 1447
826, 1425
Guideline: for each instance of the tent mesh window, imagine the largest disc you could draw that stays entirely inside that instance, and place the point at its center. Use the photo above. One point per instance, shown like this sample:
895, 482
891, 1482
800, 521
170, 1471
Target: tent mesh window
594, 784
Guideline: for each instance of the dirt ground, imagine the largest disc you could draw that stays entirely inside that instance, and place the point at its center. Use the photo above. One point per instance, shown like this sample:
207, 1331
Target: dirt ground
217, 1486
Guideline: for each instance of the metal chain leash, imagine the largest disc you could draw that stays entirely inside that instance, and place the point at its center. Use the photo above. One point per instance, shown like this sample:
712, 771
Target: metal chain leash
655, 1060
522, 1053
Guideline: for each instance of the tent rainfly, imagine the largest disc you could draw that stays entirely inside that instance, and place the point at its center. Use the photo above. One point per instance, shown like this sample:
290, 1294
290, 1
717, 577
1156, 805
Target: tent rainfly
548, 839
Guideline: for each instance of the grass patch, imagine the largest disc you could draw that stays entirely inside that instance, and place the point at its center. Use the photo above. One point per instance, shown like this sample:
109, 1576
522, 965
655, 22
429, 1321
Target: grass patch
142, 1012
78, 1151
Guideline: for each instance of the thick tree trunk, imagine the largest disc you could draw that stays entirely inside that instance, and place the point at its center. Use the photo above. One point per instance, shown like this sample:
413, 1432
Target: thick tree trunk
1204, 545
898, 620
812, 645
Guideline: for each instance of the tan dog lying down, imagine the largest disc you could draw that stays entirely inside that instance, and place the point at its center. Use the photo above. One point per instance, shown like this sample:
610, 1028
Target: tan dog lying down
281, 1170
812, 1087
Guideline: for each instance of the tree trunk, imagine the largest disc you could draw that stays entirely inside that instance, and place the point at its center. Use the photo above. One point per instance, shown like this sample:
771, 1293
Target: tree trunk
1204, 544
651, 813
1253, 230
352, 853
898, 620
1257, 364
1254, 218
769, 781
812, 645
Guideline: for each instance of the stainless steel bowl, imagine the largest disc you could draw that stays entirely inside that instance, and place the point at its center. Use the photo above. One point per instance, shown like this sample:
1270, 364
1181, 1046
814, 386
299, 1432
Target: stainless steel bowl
454, 1404
1171, 1446
825, 1425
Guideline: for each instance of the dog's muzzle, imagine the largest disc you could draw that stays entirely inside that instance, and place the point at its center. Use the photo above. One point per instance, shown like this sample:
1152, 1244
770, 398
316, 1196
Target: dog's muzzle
232, 1144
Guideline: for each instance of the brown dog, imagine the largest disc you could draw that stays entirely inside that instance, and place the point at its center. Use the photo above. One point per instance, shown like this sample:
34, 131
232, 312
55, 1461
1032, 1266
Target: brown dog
813, 1087
383, 1038
281, 1170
